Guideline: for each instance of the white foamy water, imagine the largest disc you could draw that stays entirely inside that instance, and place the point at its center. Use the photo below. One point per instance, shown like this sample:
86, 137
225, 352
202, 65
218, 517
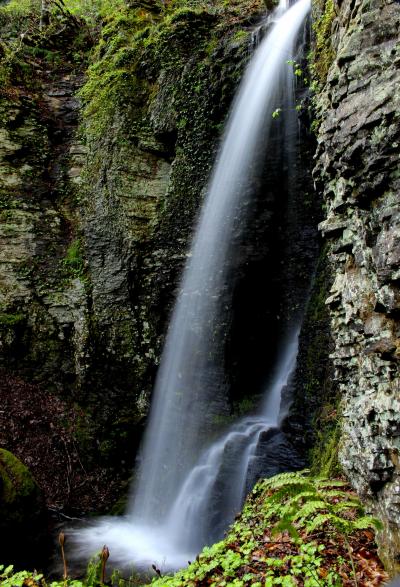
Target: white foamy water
216, 487
172, 509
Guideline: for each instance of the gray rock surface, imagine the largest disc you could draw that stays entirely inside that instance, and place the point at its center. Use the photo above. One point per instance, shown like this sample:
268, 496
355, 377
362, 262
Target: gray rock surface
357, 169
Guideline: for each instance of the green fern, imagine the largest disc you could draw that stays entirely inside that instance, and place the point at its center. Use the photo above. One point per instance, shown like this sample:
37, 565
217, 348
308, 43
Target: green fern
308, 509
346, 505
322, 482
284, 479
367, 522
298, 501
317, 522
336, 494
285, 525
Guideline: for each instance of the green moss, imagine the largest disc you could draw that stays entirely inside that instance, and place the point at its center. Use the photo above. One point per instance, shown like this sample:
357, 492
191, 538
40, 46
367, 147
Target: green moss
324, 54
133, 40
73, 261
19, 494
11, 320
92, 11
240, 36
17, 481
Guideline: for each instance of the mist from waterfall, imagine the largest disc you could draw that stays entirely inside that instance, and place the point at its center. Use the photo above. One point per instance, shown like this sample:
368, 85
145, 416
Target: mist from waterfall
182, 499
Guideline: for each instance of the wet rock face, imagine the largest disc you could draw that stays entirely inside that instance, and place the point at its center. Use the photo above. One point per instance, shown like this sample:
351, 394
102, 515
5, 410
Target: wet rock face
144, 181
43, 303
358, 172
94, 227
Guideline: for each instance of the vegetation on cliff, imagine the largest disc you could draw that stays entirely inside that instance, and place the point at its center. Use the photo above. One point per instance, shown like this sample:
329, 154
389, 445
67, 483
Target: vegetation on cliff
324, 12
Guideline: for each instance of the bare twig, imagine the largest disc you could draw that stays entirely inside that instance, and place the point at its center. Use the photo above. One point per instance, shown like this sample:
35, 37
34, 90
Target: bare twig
61, 540
69, 466
105, 553
56, 511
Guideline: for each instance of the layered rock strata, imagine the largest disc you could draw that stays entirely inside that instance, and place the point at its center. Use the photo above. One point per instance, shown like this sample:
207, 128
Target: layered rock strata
357, 170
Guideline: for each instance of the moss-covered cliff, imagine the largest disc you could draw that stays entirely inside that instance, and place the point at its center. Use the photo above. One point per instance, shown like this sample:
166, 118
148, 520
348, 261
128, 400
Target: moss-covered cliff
101, 177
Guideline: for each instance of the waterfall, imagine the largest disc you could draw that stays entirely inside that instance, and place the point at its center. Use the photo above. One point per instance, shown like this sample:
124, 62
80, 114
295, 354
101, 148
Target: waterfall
216, 487
176, 505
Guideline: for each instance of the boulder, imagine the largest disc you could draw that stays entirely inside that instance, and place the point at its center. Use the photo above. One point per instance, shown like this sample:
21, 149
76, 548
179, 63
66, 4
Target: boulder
22, 513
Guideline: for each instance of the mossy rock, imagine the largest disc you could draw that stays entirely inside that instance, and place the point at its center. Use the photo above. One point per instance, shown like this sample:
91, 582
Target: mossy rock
21, 503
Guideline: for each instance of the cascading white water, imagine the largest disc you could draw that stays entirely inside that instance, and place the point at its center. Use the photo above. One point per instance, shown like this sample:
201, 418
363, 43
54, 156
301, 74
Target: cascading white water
166, 498
218, 482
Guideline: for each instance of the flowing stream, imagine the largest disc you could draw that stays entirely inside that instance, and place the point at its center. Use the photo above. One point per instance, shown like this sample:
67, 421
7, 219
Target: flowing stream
189, 488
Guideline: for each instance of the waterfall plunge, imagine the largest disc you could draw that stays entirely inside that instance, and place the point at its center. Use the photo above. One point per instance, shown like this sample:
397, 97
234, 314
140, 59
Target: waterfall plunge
171, 510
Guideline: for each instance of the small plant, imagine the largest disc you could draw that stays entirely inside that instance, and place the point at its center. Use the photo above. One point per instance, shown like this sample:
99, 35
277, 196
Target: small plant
73, 261
8, 578
298, 72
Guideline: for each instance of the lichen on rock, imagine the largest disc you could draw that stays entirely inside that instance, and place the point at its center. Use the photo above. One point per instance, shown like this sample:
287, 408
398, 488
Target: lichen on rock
356, 170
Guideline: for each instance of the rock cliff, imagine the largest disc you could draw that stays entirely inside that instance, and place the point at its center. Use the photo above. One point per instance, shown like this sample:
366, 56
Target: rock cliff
357, 171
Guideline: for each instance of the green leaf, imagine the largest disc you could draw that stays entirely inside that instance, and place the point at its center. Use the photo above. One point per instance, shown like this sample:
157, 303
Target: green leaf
285, 525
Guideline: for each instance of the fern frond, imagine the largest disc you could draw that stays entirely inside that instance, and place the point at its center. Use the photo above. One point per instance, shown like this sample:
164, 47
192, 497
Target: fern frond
335, 493
346, 505
367, 522
341, 524
349, 526
302, 495
323, 482
317, 522
288, 511
286, 478
291, 489
309, 508
291, 507
272, 510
